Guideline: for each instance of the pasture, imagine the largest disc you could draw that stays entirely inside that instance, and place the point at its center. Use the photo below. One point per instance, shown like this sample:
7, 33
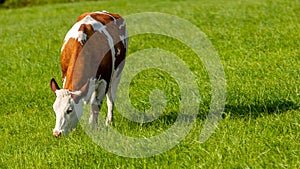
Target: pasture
257, 42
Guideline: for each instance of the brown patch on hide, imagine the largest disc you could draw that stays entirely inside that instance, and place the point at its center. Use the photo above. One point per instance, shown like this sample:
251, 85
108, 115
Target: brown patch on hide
68, 58
94, 58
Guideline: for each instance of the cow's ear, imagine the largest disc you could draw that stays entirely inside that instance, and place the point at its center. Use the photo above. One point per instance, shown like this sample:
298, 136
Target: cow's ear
53, 85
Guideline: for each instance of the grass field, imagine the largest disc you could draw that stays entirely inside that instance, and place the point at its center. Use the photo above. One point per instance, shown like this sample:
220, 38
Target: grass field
258, 44
28, 3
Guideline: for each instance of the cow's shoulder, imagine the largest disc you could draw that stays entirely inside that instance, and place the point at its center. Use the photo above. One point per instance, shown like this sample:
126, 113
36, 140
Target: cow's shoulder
80, 17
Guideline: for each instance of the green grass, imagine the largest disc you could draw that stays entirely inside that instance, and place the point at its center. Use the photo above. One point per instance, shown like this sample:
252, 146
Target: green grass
258, 44
26, 3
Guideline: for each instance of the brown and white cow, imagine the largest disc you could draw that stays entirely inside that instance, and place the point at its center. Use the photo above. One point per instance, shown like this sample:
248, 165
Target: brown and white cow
92, 59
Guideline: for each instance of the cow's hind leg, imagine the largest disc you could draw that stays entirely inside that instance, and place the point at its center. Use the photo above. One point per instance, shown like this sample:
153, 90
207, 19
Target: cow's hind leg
111, 95
96, 102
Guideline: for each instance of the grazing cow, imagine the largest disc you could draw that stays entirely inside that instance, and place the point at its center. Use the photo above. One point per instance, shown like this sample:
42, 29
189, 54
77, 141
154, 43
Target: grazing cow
92, 59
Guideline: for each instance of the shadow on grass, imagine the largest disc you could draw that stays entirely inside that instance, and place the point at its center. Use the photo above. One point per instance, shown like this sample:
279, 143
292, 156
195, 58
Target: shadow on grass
259, 109
268, 107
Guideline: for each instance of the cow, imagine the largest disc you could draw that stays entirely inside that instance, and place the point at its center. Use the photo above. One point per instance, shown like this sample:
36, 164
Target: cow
92, 59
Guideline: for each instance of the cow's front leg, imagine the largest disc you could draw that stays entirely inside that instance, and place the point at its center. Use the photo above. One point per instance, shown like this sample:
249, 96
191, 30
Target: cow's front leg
95, 108
96, 103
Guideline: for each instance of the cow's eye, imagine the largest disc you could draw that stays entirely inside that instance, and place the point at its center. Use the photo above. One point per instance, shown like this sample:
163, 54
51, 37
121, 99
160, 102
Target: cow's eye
69, 110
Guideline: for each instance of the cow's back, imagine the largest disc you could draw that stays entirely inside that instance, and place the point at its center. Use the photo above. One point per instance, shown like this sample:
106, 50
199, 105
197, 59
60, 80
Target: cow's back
94, 47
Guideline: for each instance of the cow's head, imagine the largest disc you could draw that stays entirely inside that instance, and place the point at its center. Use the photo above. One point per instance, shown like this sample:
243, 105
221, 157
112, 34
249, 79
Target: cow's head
67, 107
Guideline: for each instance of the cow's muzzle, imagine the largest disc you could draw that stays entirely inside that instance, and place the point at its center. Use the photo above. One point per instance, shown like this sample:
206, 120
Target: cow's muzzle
57, 133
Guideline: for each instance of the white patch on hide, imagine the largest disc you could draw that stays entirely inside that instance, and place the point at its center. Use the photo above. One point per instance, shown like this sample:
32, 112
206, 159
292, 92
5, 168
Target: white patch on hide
64, 81
81, 37
122, 38
118, 51
122, 25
